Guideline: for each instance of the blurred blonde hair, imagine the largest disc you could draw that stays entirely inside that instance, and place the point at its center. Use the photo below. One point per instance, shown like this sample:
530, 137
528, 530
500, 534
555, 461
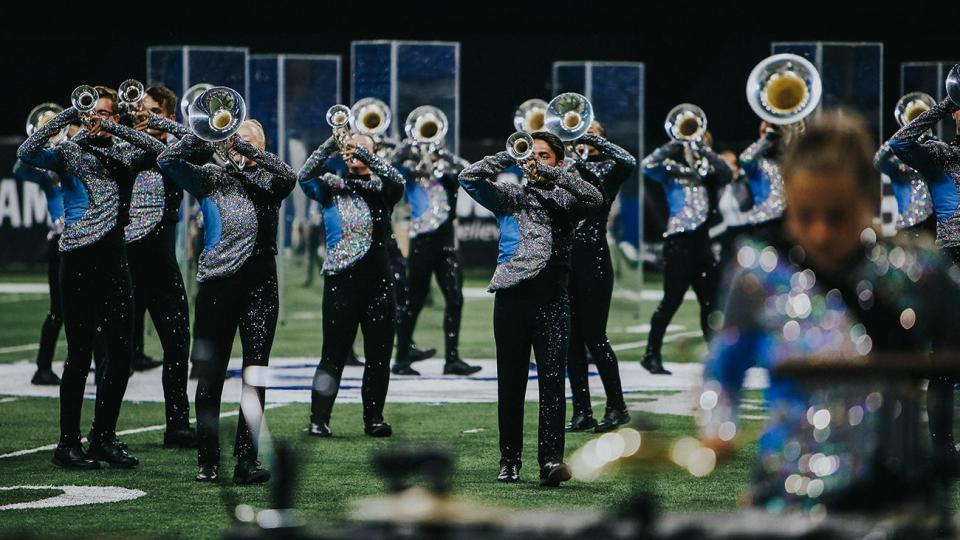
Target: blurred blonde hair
254, 125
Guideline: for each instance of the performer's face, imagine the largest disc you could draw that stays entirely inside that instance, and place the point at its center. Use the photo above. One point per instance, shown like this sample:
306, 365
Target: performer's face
153, 106
544, 154
594, 129
104, 109
251, 135
731, 159
826, 214
355, 165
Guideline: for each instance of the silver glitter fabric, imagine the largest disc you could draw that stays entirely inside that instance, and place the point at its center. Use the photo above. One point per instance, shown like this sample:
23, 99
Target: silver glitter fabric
229, 212
526, 213
939, 162
146, 205
891, 299
760, 169
919, 204
91, 196
438, 205
679, 178
428, 188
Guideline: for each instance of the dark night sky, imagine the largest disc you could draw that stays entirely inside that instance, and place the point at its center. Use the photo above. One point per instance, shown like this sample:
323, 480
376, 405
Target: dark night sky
693, 52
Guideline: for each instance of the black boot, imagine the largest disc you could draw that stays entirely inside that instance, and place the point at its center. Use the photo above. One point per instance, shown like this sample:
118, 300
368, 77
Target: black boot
73, 457
180, 438
654, 365
45, 377
581, 422
509, 471
403, 369
208, 472
377, 428
319, 429
249, 471
456, 366
107, 447
612, 418
416, 354
352, 359
554, 472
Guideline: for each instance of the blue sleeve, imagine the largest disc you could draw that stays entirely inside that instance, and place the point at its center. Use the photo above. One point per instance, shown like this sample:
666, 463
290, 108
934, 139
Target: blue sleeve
732, 355
661, 168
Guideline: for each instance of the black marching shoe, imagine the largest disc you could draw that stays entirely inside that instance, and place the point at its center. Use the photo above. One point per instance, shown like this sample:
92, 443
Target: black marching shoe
377, 428
654, 365
45, 377
180, 438
208, 472
249, 471
321, 429
108, 448
352, 359
554, 472
416, 354
509, 471
73, 457
403, 369
144, 363
456, 366
612, 418
581, 422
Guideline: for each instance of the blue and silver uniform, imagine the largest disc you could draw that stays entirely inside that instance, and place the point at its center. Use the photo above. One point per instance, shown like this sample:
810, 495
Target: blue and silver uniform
939, 163
50, 184
821, 441
608, 170
765, 181
356, 208
909, 188
240, 208
688, 201
536, 223
432, 199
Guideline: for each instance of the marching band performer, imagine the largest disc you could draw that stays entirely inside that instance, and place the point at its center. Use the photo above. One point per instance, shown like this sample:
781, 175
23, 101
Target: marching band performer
358, 286
431, 189
759, 164
607, 167
94, 275
532, 306
685, 168
237, 275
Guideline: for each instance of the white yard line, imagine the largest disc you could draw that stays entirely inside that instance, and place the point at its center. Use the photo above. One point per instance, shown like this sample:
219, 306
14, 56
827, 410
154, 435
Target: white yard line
669, 338
20, 348
24, 288
158, 427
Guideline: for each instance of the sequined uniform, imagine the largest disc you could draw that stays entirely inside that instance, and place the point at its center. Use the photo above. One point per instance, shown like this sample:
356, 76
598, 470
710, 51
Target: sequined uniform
50, 184
766, 185
151, 249
94, 275
237, 274
909, 188
827, 443
688, 259
591, 278
433, 246
531, 307
358, 286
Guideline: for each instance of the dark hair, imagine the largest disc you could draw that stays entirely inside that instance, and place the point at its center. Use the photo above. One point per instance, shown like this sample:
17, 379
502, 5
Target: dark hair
833, 141
166, 97
109, 93
552, 141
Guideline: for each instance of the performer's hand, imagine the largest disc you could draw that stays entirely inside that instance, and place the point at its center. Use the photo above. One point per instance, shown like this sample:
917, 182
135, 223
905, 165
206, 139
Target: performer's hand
93, 124
141, 121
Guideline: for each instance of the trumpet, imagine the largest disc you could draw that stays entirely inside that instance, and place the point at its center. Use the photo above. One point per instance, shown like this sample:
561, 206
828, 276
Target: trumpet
84, 99
426, 125
215, 116
784, 89
520, 148
911, 105
370, 116
190, 96
953, 84
529, 116
568, 116
131, 91
40, 115
338, 118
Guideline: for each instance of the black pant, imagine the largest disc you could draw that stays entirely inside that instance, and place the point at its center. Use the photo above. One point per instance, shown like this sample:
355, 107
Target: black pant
359, 297
535, 313
433, 254
247, 300
96, 289
940, 394
591, 287
50, 331
314, 235
689, 262
158, 288
401, 284
728, 244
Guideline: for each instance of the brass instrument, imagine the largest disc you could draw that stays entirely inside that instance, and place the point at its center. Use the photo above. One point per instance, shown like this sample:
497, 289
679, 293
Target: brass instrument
784, 89
190, 96
686, 122
370, 116
338, 118
84, 99
426, 125
40, 115
131, 92
953, 84
215, 116
520, 148
912, 105
568, 116
529, 116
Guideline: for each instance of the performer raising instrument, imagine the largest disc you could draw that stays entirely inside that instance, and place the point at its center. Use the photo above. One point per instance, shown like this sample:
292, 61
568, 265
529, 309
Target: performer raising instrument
431, 189
357, 285
94, 276
240, 200
151, 247
607, 166
939, 163
838, 294
914, 204
685, 167
531, 306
